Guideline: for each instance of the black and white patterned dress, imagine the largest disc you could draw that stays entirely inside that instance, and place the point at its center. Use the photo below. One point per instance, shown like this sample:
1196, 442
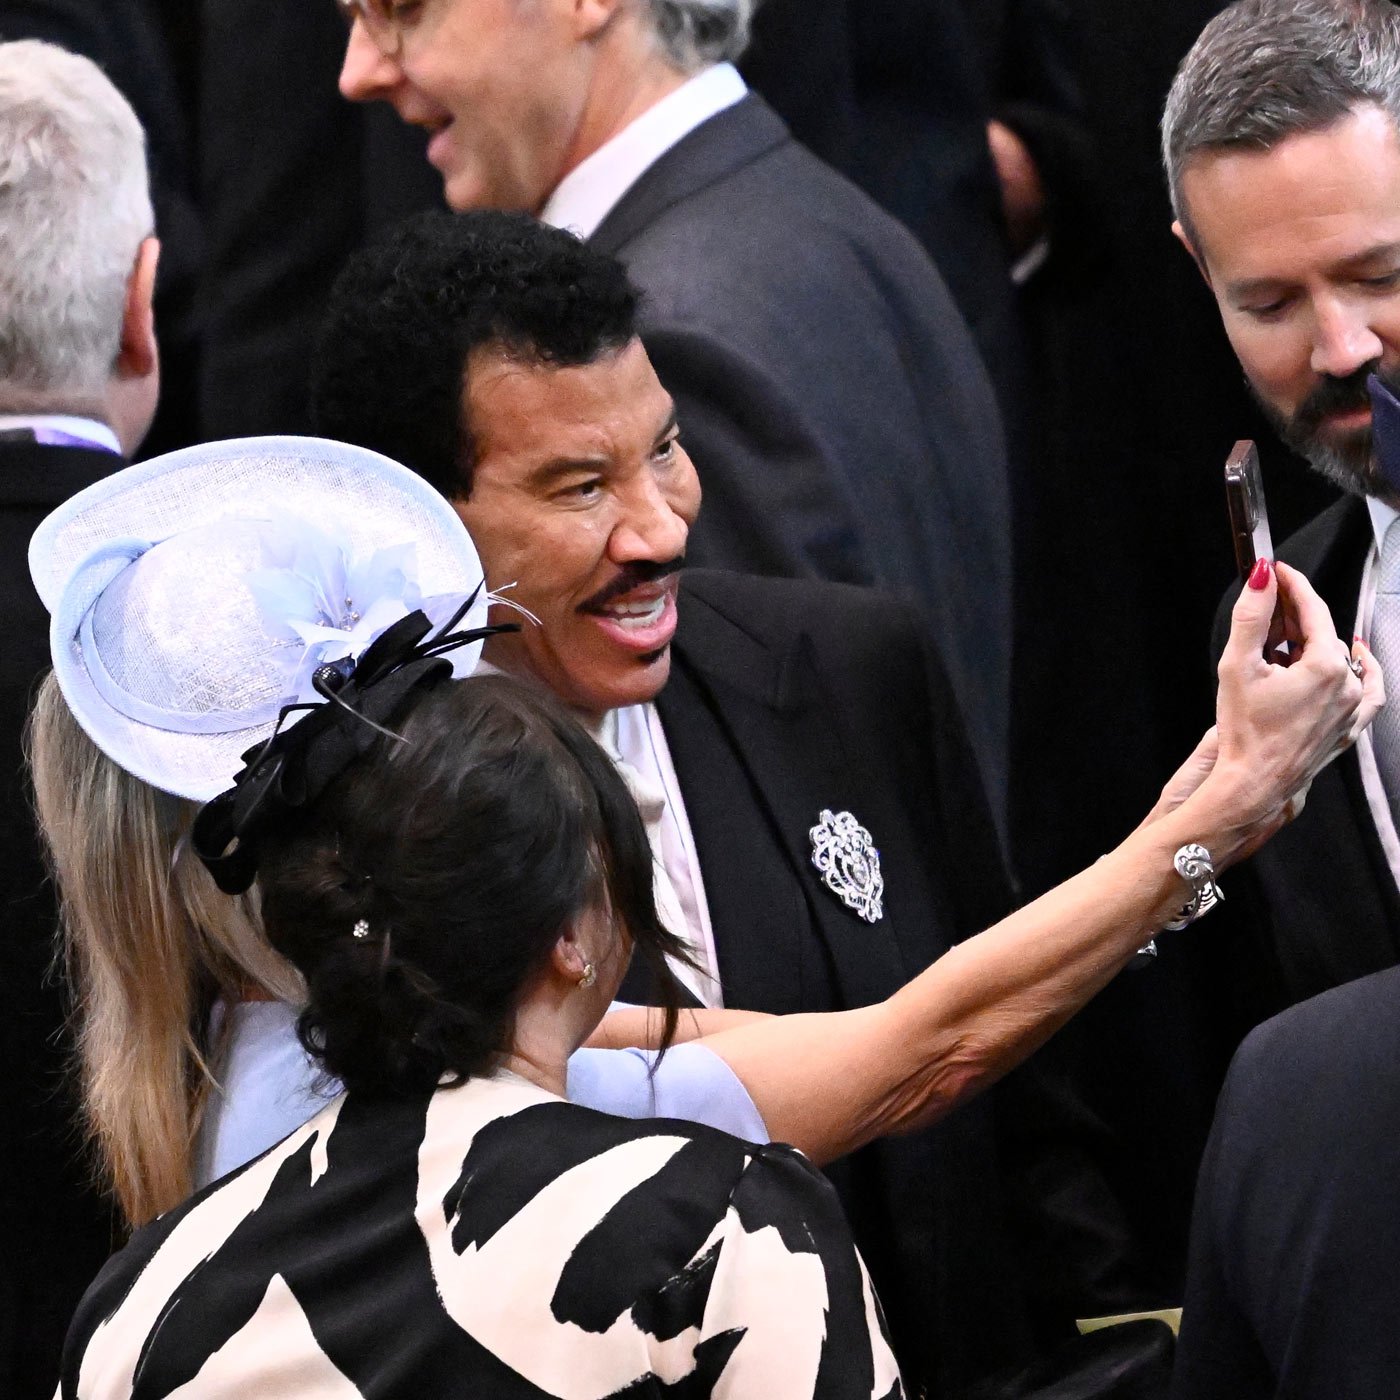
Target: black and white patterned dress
490, 1241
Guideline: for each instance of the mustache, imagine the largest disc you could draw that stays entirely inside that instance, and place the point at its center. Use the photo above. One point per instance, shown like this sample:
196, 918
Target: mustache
1335, 395
632, 576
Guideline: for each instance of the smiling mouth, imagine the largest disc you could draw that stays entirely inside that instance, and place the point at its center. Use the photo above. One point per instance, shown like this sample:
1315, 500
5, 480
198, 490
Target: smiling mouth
635, 616
642, 620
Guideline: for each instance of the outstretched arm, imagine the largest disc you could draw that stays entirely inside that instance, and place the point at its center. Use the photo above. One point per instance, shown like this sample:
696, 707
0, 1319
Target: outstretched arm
627, 1026
831, 1082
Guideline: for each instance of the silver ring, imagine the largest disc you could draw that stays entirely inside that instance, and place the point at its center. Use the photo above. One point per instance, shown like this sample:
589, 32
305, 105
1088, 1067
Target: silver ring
1356, 667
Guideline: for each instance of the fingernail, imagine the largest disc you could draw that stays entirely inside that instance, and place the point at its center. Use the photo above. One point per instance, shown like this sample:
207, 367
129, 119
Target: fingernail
1259, 575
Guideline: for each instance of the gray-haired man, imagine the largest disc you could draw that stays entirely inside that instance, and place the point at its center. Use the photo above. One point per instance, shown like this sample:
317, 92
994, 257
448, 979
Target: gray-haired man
78, 385
1282, 145
829, 392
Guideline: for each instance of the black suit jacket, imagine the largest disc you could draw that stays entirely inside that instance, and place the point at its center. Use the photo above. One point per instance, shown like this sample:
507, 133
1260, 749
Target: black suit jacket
1294, 1281
56, 1231
829, 391
1323, 907
787, 698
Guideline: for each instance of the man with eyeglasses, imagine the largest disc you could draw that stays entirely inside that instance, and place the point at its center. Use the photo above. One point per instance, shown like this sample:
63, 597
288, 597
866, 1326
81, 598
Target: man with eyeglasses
832, 397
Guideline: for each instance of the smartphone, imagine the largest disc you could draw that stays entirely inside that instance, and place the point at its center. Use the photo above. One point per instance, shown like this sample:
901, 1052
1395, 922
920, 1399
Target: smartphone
1249, 517
1249, 523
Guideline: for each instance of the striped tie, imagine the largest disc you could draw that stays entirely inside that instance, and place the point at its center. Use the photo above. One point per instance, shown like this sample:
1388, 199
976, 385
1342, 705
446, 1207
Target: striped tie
1385, 642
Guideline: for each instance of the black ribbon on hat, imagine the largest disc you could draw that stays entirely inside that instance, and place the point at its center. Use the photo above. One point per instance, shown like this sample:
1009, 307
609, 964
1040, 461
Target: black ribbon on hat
296, 764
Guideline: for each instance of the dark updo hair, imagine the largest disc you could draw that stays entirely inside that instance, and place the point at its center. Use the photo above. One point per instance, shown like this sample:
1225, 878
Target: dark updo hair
465, 847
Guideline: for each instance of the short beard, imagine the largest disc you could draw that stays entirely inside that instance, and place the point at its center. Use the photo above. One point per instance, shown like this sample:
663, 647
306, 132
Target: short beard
1348, 462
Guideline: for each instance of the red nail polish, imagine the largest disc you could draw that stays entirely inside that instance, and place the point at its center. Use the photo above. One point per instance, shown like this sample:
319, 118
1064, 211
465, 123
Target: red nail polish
1259, 575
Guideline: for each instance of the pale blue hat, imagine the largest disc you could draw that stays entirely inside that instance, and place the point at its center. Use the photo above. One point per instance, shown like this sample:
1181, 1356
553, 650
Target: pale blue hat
193, 595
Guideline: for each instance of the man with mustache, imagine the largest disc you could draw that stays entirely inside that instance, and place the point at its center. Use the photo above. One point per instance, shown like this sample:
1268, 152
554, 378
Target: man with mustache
761, 723
1283, 160
1282, 146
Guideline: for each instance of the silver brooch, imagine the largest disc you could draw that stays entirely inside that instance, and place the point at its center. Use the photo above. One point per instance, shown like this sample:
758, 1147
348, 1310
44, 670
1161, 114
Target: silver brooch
846, 859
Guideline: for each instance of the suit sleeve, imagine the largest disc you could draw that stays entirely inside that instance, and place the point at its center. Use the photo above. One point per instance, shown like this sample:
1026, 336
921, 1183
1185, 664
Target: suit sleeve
775, 501
1218, 1353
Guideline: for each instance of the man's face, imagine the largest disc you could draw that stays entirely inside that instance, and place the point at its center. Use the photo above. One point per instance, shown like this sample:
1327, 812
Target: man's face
583, 497
501, 84
1301, 247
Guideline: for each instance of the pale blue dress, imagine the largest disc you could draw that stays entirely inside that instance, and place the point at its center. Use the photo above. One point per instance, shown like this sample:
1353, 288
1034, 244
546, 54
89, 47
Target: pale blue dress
271, 1086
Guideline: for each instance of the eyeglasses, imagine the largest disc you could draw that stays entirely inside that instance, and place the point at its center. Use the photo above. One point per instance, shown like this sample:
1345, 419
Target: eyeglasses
380, 19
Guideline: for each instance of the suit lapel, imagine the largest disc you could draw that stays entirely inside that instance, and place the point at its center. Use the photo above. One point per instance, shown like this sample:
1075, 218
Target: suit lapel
1334, 558
758, 758
728, 140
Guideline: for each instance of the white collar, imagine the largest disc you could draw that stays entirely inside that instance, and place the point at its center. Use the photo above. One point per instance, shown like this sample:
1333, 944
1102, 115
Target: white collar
587, 194
89, 429
1383, 516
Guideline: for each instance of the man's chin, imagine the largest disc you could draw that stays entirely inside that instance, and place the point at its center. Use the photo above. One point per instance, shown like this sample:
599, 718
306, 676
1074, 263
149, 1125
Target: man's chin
1348, 462
639, 682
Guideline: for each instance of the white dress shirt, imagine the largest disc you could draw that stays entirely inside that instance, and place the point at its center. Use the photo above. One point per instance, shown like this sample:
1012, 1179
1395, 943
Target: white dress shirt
587, 194
1382, 516
86, 430
633, 738
641, 745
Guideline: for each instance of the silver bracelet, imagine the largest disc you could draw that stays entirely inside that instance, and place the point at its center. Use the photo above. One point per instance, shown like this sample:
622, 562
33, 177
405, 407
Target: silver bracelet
1193, 864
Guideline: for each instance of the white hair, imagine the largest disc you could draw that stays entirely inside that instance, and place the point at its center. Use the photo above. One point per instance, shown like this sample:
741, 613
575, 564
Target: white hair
696, 33
75, 206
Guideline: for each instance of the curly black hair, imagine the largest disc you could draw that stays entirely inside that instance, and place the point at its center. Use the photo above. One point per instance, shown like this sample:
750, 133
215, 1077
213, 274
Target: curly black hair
429, 882
407, 311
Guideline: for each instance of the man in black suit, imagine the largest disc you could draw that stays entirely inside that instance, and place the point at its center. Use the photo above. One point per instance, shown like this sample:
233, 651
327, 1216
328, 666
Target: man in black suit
79, 376
1291, 209
833, 399
1295, 1249
756, 710
1282, 141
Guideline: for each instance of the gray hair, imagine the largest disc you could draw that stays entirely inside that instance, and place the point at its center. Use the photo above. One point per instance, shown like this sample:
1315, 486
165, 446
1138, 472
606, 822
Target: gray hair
696, 33
1265, 70
75, 205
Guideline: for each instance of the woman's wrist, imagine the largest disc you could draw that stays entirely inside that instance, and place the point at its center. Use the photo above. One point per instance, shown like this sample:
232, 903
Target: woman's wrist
1227, 814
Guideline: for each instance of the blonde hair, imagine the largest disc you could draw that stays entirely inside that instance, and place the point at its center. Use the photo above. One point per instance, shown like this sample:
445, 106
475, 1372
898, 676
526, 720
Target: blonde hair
150, 944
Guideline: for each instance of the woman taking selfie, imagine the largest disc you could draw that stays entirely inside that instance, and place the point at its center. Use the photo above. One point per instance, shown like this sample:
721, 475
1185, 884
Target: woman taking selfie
436, 951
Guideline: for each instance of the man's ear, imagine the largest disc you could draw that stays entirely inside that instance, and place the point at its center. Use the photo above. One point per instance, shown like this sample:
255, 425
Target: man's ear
1184, 239
592, 17
139, 355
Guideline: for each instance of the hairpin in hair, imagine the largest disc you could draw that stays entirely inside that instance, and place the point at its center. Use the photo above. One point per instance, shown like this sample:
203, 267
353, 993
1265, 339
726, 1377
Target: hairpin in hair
361, 929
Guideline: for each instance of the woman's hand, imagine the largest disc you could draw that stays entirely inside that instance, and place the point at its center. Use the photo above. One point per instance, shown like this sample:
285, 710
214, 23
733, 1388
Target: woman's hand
1188, 777
1279, 726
